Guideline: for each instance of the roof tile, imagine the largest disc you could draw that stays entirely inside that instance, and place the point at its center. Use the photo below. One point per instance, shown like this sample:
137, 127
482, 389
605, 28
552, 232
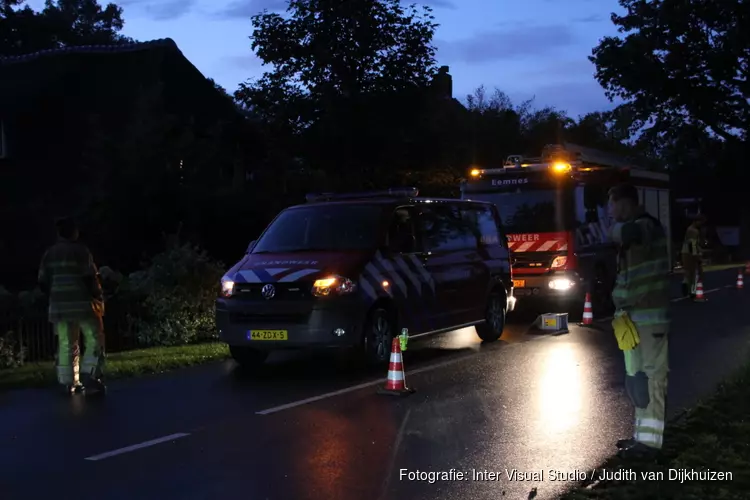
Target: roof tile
91, 49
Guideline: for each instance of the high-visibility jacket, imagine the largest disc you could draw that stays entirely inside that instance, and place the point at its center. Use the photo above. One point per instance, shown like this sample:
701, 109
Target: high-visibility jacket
69, 273
691, 245
642, 286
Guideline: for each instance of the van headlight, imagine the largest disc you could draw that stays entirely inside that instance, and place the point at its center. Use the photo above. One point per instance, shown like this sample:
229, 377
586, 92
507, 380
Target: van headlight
333, 285
561, 284
227, 287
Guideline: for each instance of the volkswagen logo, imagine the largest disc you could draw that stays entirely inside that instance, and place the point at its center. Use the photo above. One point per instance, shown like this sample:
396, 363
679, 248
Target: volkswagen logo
268, 291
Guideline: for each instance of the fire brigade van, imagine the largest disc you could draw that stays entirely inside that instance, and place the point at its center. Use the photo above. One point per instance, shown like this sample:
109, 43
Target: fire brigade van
554, 211
352, 270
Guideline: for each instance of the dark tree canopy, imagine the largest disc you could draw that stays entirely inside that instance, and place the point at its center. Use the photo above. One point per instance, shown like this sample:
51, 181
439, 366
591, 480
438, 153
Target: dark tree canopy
680, 62
324, 50
61, 23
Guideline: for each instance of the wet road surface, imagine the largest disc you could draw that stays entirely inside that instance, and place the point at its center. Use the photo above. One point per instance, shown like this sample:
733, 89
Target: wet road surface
313, 427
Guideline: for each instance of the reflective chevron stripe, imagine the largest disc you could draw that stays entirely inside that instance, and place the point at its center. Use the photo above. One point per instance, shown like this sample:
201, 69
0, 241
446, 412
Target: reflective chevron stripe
297, 275
272, 275
402, 272
394, 275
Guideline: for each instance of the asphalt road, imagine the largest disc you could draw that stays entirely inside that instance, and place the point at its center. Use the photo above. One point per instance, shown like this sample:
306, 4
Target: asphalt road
313, 427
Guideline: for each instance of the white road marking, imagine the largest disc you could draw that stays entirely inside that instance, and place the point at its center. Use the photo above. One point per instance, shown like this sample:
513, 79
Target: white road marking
394, 455
138, 446
678, 299
357, 387
365, 385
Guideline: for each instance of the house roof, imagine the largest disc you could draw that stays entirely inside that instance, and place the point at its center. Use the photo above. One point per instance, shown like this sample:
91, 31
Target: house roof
162, 43
25, 75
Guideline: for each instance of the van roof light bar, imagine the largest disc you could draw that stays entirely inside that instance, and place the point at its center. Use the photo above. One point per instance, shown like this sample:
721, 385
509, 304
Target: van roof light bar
387, 193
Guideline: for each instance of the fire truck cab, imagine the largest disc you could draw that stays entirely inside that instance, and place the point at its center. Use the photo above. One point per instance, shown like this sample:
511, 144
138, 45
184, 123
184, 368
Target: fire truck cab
554, 211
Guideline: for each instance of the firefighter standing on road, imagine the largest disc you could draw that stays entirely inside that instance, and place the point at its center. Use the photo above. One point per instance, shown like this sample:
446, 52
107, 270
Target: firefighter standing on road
691, 257
641, 322
70, 278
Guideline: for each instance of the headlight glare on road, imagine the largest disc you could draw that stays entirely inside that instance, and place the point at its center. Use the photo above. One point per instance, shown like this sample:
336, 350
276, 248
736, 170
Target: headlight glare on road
560, 284
227, 287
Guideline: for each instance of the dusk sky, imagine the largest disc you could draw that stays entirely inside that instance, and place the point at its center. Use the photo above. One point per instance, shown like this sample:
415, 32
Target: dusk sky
525, 48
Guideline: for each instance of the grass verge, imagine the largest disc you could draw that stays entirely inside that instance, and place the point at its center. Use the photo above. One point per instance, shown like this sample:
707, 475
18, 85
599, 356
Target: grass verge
713, 436
121, 364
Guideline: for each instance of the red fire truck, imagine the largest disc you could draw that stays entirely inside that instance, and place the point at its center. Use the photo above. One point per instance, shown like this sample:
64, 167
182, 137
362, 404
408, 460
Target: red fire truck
554, 211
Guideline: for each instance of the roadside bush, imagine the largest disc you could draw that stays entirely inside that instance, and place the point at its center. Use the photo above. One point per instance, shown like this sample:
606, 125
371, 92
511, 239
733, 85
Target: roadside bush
174, 297
11, 353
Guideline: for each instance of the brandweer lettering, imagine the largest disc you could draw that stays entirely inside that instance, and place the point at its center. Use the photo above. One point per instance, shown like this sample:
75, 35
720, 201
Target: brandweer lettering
523, 237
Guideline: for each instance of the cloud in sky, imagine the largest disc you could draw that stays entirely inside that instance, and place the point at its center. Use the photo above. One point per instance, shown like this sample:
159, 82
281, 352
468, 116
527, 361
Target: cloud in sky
248, 8
593, 18
445, 4
161, 10
499, 45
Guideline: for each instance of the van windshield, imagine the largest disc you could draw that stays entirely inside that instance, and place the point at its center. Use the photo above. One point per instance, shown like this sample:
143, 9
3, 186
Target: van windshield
324, 227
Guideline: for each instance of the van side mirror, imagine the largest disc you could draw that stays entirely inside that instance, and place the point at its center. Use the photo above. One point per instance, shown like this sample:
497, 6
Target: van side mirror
250, 246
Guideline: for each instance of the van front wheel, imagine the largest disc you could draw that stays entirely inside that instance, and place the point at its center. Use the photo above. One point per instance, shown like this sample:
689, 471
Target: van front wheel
494, 319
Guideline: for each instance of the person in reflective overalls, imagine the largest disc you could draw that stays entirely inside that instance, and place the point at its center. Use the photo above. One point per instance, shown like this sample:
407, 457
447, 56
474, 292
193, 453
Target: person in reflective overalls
69, 276
691, 257
641, 296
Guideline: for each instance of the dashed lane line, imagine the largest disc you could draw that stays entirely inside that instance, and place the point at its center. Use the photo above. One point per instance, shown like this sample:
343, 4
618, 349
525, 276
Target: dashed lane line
172, 437
138, 446
365, 385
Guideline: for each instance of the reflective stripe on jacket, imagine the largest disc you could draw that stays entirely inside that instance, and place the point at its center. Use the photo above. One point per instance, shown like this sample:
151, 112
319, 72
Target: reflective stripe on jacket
691, 244
642, 287
68, 270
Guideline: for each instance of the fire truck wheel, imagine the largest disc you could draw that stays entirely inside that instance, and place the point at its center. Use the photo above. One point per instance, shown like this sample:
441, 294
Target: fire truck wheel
494, 323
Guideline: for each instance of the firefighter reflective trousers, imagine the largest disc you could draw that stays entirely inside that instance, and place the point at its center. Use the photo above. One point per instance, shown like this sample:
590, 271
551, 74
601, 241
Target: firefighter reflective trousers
646, 369
691, 269
68, 351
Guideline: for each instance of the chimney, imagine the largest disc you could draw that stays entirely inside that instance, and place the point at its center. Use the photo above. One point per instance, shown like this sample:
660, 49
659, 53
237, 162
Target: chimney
443, 83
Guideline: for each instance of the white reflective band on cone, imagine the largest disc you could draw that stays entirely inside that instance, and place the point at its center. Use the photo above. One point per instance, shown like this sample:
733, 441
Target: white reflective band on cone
399, 375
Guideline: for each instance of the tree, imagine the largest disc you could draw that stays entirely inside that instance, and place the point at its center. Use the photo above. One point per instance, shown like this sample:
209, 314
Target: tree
681, 62
61, 23
345, 80
326, 49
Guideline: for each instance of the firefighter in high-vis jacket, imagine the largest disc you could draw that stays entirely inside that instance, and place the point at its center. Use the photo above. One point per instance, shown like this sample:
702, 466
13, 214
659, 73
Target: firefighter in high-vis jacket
69, 276
691, 257
641, 322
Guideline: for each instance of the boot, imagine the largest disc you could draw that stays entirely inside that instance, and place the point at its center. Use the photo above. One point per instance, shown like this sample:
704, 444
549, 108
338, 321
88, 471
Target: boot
70, 389
625, 443
638, 451
95, 386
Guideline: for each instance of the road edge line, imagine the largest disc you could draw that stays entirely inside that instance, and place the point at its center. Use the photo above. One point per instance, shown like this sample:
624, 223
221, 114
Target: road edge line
134, 447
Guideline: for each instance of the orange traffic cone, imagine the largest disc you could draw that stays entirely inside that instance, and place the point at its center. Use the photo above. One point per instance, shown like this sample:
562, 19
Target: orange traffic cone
395, 385
588, 313
699, 292
740, 281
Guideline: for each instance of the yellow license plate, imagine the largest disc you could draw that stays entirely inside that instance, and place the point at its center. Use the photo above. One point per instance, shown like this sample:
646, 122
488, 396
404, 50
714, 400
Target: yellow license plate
267, 335
519, 283
550, 322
